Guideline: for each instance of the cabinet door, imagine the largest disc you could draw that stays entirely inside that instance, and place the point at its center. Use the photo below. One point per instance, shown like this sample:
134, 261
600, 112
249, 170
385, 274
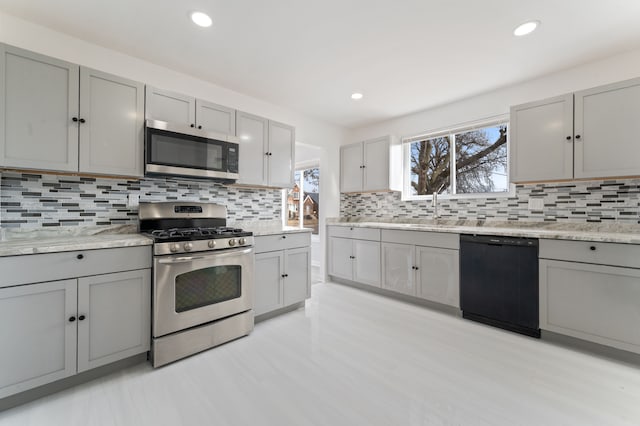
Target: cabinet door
117, 314
171, 107
541, 140
38, 340
282, 140
438, 276
398, 268
366, 267
297, 283
268, 282
215, 118
351, 168
39, 100
591, 302
111, 139
341, 258
607, 121
253, 132
376, 164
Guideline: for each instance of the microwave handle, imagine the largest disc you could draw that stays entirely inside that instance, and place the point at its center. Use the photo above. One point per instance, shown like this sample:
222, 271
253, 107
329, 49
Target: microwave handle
184, 259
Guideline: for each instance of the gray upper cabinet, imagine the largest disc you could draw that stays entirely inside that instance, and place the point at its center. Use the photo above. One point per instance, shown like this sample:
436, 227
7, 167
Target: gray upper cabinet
281, 155
215, 118
40, 102
372, 165
177, 108
111, 138
38, 338
542, 140
169, 106
266, 151
589, 134
607, 130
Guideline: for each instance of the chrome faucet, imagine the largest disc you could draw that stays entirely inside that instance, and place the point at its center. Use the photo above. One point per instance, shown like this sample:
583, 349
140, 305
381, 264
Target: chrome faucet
434, 204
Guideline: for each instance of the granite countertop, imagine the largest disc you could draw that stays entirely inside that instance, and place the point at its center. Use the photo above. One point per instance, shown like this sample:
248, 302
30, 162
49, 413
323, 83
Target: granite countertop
42, 241
612, 233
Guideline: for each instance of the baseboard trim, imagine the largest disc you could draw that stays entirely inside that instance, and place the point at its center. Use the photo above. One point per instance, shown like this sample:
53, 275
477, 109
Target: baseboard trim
269, 315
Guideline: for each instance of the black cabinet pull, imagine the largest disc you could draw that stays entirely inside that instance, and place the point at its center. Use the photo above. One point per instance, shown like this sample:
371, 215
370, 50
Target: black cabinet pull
283, 275
592, 248
80, 256
417, 268
72, 319
81, 317
74, 119
577, 136
199, 127
568, 138
193, 125
82, 120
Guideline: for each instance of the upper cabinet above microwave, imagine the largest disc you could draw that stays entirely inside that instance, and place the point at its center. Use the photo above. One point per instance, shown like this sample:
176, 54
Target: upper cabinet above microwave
593, 133
177, 108
60, 116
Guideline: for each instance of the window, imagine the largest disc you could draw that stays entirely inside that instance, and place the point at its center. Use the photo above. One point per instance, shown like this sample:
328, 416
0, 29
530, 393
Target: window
479, 155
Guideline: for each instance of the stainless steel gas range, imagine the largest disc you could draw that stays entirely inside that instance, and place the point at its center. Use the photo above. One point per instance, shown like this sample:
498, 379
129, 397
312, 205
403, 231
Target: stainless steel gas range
202, 278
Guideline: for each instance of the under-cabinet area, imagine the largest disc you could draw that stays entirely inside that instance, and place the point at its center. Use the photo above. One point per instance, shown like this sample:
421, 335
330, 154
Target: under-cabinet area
69, 312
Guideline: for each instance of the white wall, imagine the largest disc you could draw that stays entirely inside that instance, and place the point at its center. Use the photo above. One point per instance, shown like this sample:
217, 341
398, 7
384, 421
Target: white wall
496, 103
27, 35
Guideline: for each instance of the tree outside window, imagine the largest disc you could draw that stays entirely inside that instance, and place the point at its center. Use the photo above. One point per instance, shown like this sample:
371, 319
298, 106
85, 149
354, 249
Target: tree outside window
479, 155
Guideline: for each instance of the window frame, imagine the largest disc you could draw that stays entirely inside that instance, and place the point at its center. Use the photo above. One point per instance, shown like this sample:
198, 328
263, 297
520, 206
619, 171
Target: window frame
451, 132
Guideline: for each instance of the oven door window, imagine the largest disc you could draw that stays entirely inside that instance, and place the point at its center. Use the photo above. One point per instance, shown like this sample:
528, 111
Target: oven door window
169, 149
207, 286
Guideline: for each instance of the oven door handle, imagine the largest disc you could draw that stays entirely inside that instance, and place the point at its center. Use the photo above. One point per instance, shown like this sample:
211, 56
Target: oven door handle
217, 255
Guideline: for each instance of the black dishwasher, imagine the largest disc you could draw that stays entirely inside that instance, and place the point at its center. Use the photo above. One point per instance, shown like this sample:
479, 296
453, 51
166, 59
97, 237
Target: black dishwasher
499, 282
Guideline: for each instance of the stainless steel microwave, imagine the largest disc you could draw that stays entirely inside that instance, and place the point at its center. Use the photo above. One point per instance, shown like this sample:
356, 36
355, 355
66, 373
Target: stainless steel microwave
176, 150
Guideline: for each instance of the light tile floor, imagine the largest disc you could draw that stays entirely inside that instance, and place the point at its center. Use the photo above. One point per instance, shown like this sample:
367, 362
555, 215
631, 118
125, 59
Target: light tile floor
355, 358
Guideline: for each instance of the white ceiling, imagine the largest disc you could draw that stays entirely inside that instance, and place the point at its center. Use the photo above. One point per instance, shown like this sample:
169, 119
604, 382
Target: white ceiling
404, 55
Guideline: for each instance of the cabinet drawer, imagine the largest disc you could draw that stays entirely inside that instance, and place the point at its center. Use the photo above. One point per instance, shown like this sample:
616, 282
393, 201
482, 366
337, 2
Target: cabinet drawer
265, 243
35, 268
357, 233
422, 238
627, 255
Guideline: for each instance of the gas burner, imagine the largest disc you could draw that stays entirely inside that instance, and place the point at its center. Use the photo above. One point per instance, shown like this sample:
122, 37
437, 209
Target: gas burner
189, 234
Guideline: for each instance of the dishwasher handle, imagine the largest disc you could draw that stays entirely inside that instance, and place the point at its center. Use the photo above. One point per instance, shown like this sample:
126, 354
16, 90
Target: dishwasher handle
496, 240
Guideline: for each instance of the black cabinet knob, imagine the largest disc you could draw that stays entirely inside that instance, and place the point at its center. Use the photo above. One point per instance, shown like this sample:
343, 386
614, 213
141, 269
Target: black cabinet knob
80, 256
81, 317
193, 125
568, 138
82, 120
417, 268
284, 237
592, 248
72, 319
283, 275
74, 119
199, 127
577, 136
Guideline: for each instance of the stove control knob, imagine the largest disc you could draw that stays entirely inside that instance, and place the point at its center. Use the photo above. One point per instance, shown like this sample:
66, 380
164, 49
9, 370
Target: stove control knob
212, 243
242, 241
232, 242
188, 246
173, 247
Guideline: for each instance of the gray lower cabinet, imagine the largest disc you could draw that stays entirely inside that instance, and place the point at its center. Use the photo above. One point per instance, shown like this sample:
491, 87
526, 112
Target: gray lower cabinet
430, 273
355, 260
38, 340
591, 291
282, 271
54, 329
57, 115
117, 317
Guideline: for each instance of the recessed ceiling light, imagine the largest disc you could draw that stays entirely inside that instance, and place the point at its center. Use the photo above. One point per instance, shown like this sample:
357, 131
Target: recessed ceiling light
201, 19
526, 28
356, 96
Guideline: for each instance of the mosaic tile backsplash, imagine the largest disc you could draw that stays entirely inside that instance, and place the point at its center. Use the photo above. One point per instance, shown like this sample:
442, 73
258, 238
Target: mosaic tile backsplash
46, 201
584, 201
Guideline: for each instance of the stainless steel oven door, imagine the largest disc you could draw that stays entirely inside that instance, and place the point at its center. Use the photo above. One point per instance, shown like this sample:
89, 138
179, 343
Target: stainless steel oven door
190, 290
